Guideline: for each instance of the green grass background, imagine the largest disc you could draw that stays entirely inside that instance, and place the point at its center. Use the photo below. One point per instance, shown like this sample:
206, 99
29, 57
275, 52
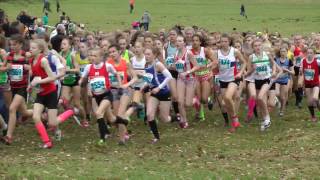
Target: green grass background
288, 150
285, 16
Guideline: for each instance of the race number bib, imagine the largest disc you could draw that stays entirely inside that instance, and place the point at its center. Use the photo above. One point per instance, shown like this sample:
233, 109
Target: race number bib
201, 61
224, 64
169, 61
298, 61
262, 70
147, 77
16, 72
180, 66
98, 85
309, 74
113, 80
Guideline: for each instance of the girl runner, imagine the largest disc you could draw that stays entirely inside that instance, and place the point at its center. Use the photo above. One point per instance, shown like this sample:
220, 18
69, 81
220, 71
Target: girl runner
238, 45
204, 58
121, 92
264, 69
100, 86
309, 76
70, 80
185, 65
18, 75
138, 64
298, 56
229, 77
43, 83
125, 53
250, 86
282, 87
81, 58
157, 77
170, 51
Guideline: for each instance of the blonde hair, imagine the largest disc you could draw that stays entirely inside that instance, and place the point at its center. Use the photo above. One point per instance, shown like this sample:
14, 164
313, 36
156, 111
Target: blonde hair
42, 45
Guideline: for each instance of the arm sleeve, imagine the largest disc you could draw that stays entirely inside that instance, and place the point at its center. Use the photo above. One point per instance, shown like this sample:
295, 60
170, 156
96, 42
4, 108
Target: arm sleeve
168, 76
86, 71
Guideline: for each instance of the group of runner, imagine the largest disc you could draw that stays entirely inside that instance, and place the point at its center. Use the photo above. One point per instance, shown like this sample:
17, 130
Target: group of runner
110, 77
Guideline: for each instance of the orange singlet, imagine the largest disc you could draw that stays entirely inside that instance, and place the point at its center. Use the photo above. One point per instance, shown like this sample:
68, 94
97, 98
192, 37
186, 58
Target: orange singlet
121, 69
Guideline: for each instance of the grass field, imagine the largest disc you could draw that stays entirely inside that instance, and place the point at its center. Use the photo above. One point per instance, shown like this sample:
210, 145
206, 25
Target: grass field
288, 150
285, 16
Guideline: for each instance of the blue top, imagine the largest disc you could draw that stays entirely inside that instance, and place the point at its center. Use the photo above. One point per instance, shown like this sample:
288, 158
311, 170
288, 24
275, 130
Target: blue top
157, 79
284, 78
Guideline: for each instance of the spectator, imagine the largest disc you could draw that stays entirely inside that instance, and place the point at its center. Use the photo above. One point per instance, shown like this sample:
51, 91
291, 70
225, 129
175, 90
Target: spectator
45, 19
46, 6
146, 19
243, 11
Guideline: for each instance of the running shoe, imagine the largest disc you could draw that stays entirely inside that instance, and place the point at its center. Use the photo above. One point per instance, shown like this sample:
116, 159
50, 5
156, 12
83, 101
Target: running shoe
58, 135
184, 125
265, 125
314, 119
154, 141
47, 145
85, 124
281, 114
210, 103
234, 126
101, 142
201, 114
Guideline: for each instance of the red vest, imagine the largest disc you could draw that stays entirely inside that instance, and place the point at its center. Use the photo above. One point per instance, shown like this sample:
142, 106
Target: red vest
17, 74
99, 79
37, 70
310, 72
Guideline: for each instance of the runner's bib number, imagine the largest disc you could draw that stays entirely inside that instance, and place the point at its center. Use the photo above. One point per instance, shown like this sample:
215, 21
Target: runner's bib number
113, 80
201, 61
16, 72
224, 64
169, 61
262, 70
147, 77
309, 74
180, 66
98, 85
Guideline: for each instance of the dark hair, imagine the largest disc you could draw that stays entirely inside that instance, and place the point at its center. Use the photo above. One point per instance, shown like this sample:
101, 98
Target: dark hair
114, 46
202, 40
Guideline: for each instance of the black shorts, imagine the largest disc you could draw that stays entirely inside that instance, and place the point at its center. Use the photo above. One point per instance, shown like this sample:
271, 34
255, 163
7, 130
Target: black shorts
224, 85
260, 83
72, 85
105, 96
162, 97
49, 101
296, 70
174, 74
310, 85
20, 91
